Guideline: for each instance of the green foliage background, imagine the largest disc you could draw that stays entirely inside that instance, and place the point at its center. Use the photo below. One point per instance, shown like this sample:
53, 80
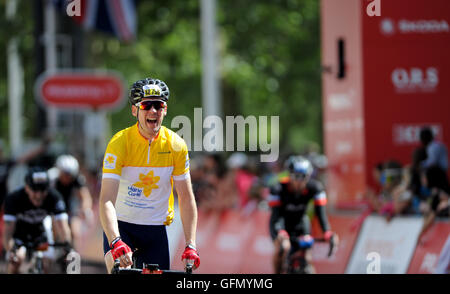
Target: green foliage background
269, 61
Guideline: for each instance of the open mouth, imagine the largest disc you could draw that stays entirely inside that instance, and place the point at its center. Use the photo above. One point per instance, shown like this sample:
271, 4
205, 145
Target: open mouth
152, 121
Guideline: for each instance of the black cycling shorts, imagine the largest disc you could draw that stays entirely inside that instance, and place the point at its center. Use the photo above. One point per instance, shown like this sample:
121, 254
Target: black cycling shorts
151, 243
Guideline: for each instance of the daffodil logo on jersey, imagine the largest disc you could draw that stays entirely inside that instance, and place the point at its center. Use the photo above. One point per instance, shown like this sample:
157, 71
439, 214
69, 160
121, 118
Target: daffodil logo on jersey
110, 161
147, 183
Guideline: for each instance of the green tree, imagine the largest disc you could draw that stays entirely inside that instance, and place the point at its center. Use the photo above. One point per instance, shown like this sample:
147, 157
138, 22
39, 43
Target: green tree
269, 61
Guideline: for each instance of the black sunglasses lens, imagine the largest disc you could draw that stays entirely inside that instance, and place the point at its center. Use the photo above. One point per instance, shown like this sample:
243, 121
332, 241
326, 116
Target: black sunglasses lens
147, 105
39, 188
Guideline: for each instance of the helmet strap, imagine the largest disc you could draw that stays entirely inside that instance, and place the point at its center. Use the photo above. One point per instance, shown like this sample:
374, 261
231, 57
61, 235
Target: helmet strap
137, 117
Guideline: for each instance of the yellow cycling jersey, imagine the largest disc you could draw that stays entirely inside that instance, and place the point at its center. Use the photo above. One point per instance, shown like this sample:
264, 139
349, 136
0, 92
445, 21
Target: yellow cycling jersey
146, 171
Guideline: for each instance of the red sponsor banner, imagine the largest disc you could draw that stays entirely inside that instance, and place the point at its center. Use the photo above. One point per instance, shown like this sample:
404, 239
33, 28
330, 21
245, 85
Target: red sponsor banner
259, 254
207, 224
395, 66
231, 243
80, 90
427, 252
403, 21
406, 64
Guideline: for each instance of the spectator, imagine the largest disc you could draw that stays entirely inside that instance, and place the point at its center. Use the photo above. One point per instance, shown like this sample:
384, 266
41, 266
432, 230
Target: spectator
418, 156
197, 178
213, 189
415, 184
390, 177
377, 170
243, 177
435, 179
270, 177
401, 195
436, 151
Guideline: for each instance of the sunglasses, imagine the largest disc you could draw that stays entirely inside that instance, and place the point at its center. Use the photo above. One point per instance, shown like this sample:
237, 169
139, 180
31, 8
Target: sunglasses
148, 104
39, 188
298, 176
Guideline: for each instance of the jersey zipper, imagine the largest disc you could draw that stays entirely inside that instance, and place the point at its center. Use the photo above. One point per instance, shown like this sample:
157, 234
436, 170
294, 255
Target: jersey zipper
148, 152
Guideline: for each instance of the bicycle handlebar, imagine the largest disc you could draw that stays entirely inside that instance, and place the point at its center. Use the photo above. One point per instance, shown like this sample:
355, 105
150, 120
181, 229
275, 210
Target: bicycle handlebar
331, 241
147, 269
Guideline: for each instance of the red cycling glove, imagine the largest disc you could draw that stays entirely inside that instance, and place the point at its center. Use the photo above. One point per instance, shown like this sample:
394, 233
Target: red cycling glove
283, 234
119, 248
191, 254
327, 235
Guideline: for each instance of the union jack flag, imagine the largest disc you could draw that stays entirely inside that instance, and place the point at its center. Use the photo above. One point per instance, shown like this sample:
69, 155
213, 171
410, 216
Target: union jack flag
117, 17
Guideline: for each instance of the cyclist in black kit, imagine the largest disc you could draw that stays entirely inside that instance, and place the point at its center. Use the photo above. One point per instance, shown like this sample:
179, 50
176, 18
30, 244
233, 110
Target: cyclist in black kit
289, 223
66, 178
25, 211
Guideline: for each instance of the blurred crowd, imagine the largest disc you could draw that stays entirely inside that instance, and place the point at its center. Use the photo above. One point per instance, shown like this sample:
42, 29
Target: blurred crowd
241, 181
44, 157
418, 188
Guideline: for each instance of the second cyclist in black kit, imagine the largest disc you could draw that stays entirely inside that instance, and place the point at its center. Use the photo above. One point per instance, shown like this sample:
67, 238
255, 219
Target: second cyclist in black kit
290, 226
25, 211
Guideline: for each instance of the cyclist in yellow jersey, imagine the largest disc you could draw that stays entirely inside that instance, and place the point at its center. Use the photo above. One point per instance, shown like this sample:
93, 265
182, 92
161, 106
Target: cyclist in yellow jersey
141, 166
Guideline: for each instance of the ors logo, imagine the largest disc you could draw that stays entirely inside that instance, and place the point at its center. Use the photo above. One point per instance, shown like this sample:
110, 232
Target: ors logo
147, 183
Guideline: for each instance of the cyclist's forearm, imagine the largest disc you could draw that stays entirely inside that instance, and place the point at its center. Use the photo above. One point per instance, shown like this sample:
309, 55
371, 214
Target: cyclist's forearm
322, 216
108, 220
275, 223
188, 210
86, 198
62, 230
188, 214
8, 241
108, 217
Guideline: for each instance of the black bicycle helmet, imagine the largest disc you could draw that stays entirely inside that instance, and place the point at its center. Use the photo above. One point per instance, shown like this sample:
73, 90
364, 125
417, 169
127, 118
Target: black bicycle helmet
37, 179
299, 164
147, 88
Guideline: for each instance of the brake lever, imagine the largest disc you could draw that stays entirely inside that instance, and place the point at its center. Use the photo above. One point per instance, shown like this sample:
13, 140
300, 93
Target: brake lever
332, 245
188, 268
116, 266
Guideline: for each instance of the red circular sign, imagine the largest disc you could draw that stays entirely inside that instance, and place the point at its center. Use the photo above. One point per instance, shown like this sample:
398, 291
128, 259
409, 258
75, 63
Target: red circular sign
81, 90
